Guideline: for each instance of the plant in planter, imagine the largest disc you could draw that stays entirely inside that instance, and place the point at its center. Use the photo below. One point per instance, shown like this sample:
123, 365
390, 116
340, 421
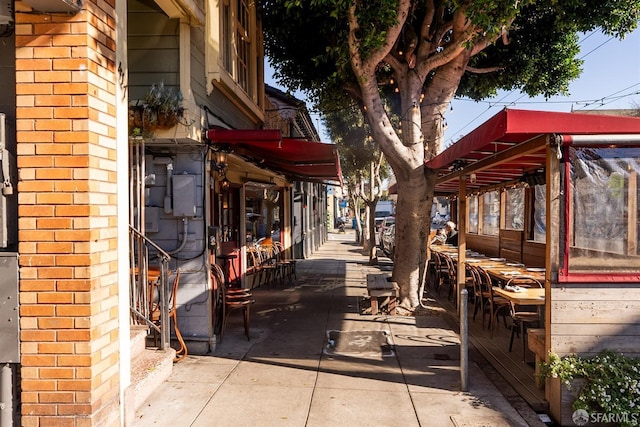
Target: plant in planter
161, 108
610, 383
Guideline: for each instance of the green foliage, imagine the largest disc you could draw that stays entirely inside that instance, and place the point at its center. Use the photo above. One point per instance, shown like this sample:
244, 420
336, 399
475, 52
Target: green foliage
612, 382
164, 99
306, 40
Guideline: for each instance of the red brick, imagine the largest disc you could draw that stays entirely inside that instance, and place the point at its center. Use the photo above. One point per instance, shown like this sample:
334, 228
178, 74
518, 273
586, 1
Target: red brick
52, 76
32, 385
37, 310
71, 161
74, 360
55, 248
55, 298
53, 223
33, 64
74, 335
57, 397
53, 124
38, 360
55, 272
53, 101
55, 323
30, 335
53, 173
55, 348
35, 409
35, 211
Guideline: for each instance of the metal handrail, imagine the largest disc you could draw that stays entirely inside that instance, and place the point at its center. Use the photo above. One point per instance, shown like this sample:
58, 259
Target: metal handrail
141, 291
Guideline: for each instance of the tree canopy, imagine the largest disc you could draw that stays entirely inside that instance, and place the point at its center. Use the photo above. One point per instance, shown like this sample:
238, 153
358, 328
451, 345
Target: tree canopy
403, 61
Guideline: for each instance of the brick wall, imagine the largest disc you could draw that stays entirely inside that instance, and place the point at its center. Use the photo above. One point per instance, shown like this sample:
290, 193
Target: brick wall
65, 69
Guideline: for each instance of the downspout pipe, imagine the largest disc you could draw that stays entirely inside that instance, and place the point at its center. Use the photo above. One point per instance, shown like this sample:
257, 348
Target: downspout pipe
6, 396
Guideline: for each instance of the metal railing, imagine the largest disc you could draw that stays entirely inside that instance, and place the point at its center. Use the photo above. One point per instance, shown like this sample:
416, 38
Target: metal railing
142, 288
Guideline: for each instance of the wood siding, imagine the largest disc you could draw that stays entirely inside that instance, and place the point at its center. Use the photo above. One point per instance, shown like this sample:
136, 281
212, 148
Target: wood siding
589, 318
154, 48
511, 245
488, 245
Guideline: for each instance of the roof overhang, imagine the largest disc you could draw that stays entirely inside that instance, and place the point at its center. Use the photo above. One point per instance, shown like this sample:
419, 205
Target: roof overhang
513, 143
297, 159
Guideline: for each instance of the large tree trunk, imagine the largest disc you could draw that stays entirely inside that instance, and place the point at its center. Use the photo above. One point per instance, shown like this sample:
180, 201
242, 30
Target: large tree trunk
413, 222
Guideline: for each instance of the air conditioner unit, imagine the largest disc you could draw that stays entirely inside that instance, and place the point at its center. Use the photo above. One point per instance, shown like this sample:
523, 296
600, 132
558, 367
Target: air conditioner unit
55, 6
6, 12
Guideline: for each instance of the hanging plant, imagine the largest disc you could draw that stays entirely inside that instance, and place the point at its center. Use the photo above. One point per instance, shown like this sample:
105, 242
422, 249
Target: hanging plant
161, 108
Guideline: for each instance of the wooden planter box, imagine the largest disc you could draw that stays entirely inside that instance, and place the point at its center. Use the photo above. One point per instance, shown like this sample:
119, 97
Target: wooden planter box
561, 402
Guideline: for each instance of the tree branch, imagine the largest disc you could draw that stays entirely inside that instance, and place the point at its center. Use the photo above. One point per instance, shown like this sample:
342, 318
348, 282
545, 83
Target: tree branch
483, 70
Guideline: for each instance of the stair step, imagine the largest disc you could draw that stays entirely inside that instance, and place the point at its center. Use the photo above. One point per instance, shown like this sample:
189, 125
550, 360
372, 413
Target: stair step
149, 370
138, 334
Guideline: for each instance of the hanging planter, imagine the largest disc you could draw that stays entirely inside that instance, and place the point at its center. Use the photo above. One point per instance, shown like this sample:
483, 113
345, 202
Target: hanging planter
161, 108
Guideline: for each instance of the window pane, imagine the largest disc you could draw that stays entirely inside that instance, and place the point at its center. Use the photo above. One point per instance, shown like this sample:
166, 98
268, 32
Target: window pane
472, 203
491, 213
604, 190
514, 209
540, 213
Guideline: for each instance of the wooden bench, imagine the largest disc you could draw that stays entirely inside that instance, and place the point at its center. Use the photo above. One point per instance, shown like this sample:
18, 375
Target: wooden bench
379, 286
536, 345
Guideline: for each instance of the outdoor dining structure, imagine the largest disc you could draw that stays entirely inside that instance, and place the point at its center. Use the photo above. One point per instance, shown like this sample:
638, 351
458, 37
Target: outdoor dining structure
554, 196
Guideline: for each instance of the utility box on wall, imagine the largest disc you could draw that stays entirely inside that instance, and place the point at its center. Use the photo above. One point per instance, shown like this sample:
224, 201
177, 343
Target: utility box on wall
9, 315
184, 195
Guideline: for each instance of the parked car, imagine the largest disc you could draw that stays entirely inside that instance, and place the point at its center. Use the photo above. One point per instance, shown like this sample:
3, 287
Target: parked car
382, 226
388, 240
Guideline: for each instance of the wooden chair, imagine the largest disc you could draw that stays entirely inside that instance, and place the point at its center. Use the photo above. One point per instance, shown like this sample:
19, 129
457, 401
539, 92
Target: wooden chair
493, 303
232, 300
181, 351
263, 269
288, 266
523, 317
442, 271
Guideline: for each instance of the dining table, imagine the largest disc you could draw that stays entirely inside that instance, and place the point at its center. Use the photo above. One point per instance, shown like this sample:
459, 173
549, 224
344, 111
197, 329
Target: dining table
522, 296
500, 269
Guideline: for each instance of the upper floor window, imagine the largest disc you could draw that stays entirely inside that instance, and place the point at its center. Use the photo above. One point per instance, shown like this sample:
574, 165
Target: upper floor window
239, 48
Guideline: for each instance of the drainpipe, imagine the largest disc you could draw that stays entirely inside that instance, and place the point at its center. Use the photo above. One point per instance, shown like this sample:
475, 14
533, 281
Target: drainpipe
6, 396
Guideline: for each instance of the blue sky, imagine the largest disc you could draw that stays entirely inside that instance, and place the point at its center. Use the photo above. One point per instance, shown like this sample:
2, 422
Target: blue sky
610, 80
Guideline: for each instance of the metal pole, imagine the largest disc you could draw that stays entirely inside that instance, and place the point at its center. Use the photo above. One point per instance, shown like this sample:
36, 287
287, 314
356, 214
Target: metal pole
464, 341
6, 396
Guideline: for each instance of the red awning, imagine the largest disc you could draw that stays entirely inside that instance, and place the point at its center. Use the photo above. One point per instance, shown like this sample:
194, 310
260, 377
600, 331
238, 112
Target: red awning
512, 143
295, 158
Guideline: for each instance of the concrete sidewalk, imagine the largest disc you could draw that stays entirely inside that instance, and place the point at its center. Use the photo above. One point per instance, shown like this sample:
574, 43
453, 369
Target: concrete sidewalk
314, 360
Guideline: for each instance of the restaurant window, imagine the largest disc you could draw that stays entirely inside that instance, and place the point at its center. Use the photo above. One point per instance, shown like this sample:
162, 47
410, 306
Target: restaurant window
603, 226
491, 213
472, 204
262, 205
514, 209
540, 213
